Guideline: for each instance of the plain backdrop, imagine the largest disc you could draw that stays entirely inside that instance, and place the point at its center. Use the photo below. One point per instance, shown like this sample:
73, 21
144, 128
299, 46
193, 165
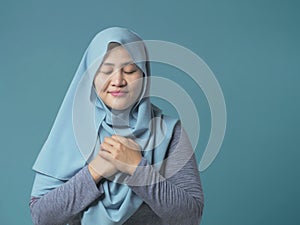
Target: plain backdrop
251, 46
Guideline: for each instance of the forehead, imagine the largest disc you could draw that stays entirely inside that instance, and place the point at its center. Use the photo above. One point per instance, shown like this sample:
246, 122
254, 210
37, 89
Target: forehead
117, 56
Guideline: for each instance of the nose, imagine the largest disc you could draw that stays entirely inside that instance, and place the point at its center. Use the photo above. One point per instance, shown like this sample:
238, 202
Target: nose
118, 79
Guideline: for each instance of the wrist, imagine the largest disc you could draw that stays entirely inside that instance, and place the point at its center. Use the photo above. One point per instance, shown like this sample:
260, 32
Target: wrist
133, 168
95, 175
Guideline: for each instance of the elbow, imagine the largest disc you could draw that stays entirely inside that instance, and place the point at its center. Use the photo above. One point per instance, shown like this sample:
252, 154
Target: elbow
195, 212
35, 215
199, 206
200, 210
189, 213
192, 212
38, 218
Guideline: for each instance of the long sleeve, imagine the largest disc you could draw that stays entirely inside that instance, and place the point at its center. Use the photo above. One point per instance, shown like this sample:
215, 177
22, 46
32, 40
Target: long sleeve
173, 193
65, 202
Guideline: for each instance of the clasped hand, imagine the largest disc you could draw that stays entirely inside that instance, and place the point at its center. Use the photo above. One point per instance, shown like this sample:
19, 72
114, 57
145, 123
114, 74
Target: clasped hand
116, 153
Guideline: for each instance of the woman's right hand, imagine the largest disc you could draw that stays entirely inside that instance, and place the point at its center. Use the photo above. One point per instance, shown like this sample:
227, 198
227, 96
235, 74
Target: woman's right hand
101, 168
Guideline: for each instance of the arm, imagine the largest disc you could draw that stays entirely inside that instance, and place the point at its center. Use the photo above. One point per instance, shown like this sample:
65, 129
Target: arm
63, 203
176, 198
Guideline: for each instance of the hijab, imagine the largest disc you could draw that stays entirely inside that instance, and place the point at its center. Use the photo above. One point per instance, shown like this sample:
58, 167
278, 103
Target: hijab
84, 120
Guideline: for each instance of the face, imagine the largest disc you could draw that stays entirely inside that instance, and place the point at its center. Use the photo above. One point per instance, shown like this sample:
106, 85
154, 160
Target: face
118, 81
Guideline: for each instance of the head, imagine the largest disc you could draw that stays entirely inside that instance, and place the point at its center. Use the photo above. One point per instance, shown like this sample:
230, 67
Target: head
118, 81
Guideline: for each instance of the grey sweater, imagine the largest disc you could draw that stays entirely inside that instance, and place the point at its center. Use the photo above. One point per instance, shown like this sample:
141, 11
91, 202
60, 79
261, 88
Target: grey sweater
172, 196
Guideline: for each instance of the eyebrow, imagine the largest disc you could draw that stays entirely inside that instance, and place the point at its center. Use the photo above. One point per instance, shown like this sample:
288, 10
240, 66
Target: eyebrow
123, 64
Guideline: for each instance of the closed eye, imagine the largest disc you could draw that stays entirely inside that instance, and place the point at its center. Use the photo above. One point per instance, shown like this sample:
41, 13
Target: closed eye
107, 72
130, 72
130, 68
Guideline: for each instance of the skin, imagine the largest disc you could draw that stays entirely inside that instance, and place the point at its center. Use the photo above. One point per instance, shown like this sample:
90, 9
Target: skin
118, 73
118, 83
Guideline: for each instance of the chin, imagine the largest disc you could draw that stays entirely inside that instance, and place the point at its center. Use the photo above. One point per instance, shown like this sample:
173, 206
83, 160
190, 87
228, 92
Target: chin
121, 107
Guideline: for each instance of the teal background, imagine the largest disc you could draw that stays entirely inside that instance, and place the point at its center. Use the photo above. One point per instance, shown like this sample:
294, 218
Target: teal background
251, 46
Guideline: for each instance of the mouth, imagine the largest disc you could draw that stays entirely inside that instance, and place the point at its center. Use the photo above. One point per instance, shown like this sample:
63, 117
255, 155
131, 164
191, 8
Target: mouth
118, 93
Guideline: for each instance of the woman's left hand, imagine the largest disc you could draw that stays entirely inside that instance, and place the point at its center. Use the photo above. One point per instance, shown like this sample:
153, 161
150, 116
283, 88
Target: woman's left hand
123, 152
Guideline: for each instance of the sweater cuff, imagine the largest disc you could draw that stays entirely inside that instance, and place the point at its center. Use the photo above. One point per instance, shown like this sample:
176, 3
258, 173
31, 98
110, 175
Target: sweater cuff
145, 174
93, 188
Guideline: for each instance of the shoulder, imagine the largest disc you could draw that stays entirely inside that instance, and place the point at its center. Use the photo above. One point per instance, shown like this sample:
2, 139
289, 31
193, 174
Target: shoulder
180, 140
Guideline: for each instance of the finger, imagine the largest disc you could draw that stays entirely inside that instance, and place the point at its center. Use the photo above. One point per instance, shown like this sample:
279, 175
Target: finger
133, 143
122, 140
128, 142
117, 141
119, 138
106, 155
110, 140
107, 147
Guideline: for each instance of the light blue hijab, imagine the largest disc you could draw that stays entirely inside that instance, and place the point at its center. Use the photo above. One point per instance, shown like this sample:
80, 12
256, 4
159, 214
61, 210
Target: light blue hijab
84, 120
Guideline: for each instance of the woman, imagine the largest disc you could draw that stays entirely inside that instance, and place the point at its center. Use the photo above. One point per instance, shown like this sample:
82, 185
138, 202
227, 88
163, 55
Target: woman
112, 157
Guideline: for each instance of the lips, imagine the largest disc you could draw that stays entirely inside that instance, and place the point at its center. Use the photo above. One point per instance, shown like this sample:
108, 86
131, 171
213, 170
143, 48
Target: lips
118, 93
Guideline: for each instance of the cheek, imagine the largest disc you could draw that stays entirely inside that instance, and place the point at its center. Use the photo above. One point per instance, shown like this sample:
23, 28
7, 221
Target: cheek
137, 86
99, 82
